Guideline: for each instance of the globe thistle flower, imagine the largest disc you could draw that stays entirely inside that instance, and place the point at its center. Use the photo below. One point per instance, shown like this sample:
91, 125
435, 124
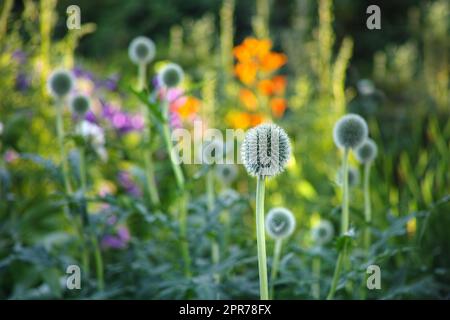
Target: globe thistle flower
171, 75
280, 223
322, 233
367, 152
266, 150
226, 173
353, 177
60, 83
228, 197
80, 104
350, 131
141, 50
365, 87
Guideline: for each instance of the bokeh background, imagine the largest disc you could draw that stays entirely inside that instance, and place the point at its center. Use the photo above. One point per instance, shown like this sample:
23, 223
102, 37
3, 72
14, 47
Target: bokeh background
397, 78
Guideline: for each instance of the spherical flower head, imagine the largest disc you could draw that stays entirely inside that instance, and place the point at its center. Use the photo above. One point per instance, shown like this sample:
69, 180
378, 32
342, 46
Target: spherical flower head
367, 152
171, 75
350, 131
280, 223
60, 83
141, 50
226, 173
353, 177
80, 104
266, 150
322, 233
228, 197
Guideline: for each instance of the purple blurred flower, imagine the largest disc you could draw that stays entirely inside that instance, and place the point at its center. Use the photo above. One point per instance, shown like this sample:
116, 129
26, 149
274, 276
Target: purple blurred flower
122, 121
78, 72
20, 56
22, 82
118, 241
127, 183
11, 155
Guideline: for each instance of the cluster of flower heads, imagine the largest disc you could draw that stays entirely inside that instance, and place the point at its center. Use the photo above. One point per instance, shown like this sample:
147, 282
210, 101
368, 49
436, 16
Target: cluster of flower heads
255, 66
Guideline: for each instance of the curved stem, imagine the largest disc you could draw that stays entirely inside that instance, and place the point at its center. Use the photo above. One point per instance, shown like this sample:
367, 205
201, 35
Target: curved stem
173, 158
337, 272
261, 239
275, 264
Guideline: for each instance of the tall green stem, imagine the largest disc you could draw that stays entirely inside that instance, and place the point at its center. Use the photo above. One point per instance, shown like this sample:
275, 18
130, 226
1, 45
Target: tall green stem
344, 226
98, 262
215, 252
316, 274
183, 234
275, 264
97, 252
345, 213
367, 206
148, 161
60, 134
368, 219
261, 239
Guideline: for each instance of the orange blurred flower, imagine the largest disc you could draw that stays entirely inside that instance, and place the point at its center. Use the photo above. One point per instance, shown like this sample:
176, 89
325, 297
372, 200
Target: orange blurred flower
278, 106
273, 61
254, 55
275, 86
248, 99
189, 108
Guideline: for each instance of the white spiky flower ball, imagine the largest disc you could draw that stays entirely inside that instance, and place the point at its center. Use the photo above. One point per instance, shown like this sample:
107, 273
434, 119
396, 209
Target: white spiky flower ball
228, 197
60, 83
350, 131
266, 150
367, 152
353, 177
322, 233
141, 50
226, 173
80, 104
171, 75
280, 223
